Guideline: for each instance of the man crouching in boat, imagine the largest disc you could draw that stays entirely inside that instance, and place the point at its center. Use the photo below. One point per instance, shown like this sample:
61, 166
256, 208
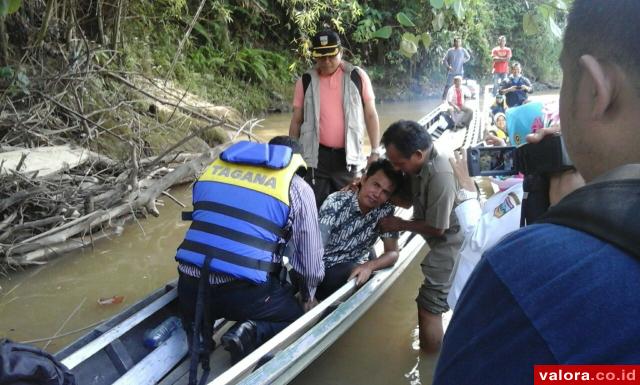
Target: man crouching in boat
348, 223
247, 205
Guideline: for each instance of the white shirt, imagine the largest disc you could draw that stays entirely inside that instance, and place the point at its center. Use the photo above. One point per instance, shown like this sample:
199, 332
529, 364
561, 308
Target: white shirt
482, 228
451, 95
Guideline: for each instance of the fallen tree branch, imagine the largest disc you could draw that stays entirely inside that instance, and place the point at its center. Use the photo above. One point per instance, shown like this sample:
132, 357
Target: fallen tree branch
30, 225
183, 108
39, 256
64, 238
166, 193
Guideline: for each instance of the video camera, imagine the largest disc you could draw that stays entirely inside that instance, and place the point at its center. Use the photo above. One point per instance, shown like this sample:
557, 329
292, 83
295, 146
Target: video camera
548, 156
538, 162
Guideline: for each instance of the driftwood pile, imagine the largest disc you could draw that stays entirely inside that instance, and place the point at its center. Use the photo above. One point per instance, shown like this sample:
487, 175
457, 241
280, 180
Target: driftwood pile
44, 214
130, 137
71, 209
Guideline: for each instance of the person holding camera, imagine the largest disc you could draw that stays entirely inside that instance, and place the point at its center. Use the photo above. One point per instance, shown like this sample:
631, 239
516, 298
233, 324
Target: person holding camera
565, 290
482, 225
516, 87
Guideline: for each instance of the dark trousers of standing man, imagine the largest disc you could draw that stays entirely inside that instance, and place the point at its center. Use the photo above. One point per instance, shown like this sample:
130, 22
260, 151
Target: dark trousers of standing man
331, 174
271, 305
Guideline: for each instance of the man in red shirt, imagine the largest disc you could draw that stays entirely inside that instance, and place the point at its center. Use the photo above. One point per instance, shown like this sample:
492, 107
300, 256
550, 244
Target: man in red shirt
501, 56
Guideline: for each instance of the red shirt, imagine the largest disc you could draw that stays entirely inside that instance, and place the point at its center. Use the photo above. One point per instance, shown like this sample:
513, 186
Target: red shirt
501, 67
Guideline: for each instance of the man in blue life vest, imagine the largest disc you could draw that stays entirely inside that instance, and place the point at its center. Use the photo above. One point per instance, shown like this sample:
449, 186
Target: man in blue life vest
565, 289
247, 205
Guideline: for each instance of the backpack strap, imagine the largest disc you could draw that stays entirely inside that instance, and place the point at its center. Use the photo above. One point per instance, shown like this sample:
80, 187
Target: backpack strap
355, 78
306, 80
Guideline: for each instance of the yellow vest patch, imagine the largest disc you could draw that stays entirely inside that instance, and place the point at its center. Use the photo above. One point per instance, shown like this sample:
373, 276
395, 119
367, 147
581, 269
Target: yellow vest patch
273, 182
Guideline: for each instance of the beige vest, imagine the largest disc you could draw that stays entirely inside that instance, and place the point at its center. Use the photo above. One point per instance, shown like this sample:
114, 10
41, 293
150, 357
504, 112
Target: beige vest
353, 119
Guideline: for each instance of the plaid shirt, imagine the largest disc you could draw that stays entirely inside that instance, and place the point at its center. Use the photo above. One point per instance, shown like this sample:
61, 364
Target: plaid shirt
348, 234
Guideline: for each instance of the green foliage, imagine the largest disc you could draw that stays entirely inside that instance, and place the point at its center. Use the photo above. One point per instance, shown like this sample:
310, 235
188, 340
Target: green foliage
15, 81
172, 7
6, 72
7, 7
383, 33
532, 33
408, 45
530, 24
260, 45
368, 27
437, 4
458, 9
404, 20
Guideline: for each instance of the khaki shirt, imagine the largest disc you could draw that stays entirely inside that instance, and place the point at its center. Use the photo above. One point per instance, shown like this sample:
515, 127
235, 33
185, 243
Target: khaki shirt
434, 199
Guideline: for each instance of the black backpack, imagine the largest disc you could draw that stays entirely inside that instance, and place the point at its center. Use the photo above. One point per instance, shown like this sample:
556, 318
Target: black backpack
22, 364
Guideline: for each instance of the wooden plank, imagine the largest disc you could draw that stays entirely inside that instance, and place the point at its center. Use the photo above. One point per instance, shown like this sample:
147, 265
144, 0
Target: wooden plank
99, 343
119, 356
159, 362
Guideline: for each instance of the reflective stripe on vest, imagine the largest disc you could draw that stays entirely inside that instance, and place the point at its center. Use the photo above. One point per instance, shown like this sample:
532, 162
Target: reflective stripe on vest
240, 211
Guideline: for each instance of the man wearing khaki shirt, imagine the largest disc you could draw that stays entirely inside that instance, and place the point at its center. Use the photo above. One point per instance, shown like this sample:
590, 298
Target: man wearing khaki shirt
410, 149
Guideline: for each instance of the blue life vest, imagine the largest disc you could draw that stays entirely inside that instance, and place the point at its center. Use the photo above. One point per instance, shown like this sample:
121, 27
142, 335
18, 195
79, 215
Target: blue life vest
241, 206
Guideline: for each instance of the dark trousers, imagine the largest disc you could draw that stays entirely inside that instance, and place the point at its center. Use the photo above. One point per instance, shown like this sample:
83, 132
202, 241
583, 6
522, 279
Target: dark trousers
331, 174
334, 278
271, 305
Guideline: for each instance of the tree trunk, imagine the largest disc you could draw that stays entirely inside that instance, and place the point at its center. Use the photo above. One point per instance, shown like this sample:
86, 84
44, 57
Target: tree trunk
4, 43
48, 14
101, 36
115, 37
